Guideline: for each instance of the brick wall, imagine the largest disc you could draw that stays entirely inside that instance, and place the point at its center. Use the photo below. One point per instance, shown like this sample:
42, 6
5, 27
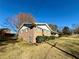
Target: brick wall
27, 36
39, 32
31, 34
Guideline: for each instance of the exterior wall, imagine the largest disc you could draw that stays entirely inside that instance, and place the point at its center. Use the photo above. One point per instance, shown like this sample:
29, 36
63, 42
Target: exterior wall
37, 32
27, 36
24, 28
43, 27
47, 33
40, 32
46, 30
31, 34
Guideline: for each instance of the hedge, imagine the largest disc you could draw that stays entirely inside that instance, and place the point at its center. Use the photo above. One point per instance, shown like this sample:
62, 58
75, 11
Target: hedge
40, 39
51, 37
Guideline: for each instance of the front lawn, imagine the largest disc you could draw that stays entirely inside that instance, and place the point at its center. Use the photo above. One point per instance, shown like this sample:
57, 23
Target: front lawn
69, 44
22, 50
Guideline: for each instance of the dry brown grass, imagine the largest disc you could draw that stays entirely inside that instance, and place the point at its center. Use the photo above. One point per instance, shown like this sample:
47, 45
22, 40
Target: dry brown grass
22, 50
69, 44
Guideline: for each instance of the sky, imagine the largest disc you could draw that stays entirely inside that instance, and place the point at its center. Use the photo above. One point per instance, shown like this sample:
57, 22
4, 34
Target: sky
59, 12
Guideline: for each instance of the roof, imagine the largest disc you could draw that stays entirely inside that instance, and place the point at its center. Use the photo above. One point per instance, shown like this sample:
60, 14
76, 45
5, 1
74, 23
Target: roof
29, 24
44, 24
7, 29
4, 29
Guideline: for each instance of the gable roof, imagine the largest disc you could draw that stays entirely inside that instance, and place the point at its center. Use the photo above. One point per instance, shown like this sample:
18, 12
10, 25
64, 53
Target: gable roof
40, 24
37, 24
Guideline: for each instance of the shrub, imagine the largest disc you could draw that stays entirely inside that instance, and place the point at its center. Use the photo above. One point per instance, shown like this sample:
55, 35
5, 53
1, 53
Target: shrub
2, 38
40, 39
51, 37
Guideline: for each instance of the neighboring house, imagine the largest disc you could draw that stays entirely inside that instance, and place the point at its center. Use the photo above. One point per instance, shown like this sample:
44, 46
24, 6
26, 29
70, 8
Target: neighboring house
6, 33
4, 30
29, 34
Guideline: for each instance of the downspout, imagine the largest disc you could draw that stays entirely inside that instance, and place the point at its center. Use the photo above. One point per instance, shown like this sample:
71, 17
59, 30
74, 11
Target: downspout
42, 32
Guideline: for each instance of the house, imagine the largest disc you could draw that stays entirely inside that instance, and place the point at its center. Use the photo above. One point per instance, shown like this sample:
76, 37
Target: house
4, 30
28, 32
5, 33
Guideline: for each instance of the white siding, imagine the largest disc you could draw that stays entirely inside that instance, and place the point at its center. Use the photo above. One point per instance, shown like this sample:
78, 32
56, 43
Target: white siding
24, 28
44, 27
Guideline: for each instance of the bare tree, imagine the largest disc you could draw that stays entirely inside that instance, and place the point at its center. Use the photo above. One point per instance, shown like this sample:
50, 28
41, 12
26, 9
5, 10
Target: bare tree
76, 31
75, 28
53, 27
19, 19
